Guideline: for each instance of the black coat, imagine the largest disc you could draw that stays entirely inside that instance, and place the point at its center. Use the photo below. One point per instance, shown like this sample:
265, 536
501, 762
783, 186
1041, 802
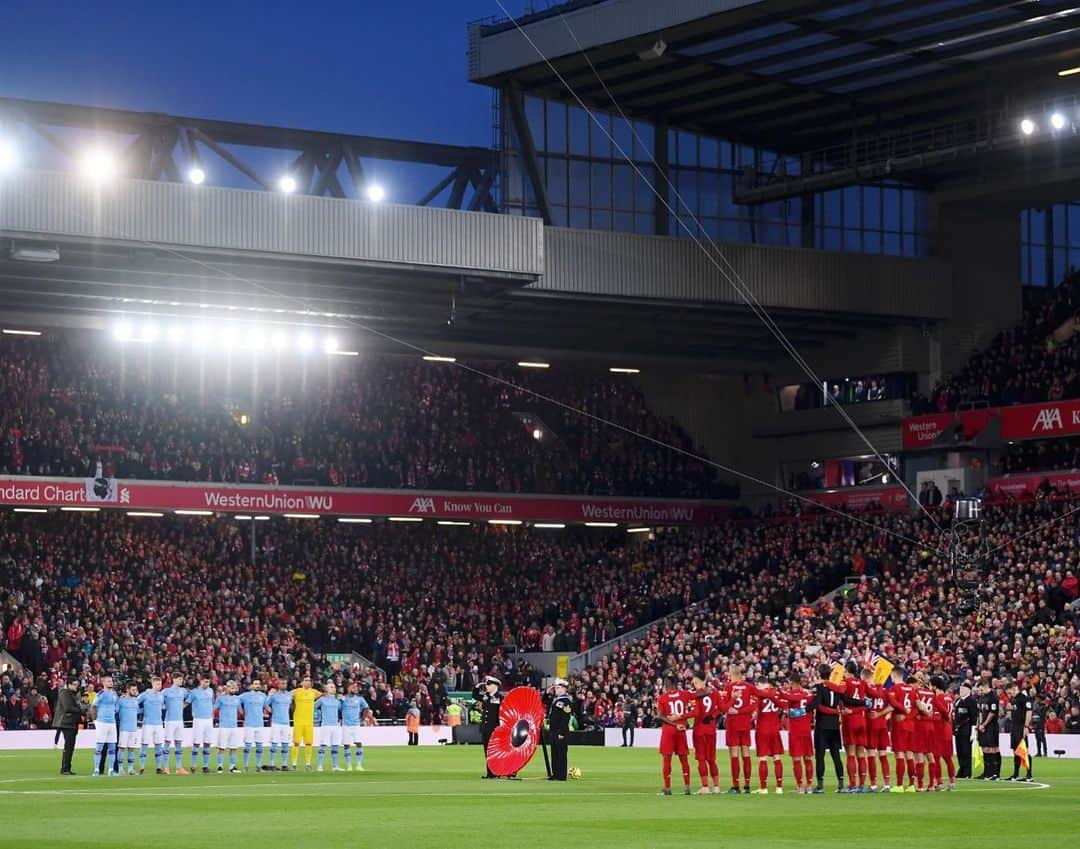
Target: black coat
68, 711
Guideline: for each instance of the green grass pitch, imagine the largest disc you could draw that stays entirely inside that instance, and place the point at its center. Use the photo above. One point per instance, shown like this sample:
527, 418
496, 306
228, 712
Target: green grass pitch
433, 797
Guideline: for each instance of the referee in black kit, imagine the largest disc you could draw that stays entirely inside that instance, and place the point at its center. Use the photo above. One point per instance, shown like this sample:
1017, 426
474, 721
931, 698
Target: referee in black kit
490, 700
1019, 724
826, 703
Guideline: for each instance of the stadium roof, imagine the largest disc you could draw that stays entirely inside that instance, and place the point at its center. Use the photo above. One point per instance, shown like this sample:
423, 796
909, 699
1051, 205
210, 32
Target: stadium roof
794, 75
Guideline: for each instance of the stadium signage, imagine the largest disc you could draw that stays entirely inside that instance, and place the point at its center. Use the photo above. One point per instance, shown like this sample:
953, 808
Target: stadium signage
891, 499
327, 501
1031, 421
921, 431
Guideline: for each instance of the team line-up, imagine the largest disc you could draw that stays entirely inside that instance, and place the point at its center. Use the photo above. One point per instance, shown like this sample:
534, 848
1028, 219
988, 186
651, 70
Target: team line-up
911, 718
132, 723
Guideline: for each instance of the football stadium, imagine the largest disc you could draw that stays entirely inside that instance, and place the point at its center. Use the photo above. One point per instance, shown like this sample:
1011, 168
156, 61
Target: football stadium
697, 419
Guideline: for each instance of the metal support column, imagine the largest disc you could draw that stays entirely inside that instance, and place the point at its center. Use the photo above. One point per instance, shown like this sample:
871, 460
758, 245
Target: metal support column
528, 150
660, 149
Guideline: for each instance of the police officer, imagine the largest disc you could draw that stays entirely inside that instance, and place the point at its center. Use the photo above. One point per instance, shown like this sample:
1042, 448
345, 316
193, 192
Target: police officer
559, 712
490, 701
964, 712
1019, 723
988, 728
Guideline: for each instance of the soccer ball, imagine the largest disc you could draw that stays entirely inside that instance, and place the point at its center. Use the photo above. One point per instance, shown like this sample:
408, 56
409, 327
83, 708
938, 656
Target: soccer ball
574, 772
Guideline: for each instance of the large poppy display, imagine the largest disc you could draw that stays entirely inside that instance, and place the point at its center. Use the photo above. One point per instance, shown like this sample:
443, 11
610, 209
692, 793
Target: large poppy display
514, 742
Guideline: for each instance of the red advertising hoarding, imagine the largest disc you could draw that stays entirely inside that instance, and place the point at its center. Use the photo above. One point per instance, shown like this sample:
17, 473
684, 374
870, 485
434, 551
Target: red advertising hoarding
329, 501
1041, 421
1024, 485
921, 431
891, 499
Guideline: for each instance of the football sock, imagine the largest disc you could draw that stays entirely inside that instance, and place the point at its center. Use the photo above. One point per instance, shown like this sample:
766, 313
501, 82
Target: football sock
359, 755
911, 771
901, 769
334, 757
884, 768
763, 773
852, 770
735, 771
796, 767
322, 756
258, 755
871, 766
862, 770
778, 768
746, 767
307, 755
142, 758
665, 770
920, 774
247, 755
951, 767
179, 752
703, 772
685, 760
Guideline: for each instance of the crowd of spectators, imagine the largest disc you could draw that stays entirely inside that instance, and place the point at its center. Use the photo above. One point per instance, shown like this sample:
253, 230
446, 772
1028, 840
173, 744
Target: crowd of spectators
1041, 456
144, 412
1034, 361
906, 605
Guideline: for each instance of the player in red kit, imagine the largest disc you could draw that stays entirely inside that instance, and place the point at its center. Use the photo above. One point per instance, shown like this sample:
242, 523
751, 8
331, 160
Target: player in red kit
853, 726
708, 708
877, 733
740, 713
944, 702
674, 708
925, 729
797, 699
767, 740
901, 699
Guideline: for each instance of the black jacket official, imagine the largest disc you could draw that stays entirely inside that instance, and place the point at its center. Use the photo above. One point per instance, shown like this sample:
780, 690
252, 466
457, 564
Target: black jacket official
66, 717
560, 712
490, 700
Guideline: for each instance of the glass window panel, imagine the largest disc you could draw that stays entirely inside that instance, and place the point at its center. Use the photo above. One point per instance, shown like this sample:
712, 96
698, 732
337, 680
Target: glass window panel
601, 144
601, 219
556, 127
872, 242
624, 222
832, 239
851, 206
559, 216
729, 230
1060, 267
1038, 227
534, 114
728, 208
1074, 224
1025, 267
794, 235
708, 193
601, 185
709, 152
579, 183
853, 240
891, 244
1057, 226
747, 156
686, 181
871, 198
907, 211
643, 141
688, 149
579, 132
623, 137
1038, 265
712, 227
890, 203
556, 179
909, 244
644, 198
624, 188
579, 218
833, 206
643, 224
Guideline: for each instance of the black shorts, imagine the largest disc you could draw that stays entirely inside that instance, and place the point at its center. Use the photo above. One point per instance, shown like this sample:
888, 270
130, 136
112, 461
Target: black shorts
1014, 740
990, 738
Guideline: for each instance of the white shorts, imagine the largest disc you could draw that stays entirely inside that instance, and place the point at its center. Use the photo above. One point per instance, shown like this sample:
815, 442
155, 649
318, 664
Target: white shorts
130, 740
328, 735
350, 735
153, 735
106, 732
256, 734
202, 732
230, 738
281, 734
174, 731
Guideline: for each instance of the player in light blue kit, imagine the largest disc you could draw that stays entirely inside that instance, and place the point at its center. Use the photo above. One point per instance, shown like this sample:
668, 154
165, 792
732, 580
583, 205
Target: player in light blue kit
352, 712
253, 703
103, 713
152, 702
201, 700
230, 735
328, 726
128, 710
279, 702
175, 697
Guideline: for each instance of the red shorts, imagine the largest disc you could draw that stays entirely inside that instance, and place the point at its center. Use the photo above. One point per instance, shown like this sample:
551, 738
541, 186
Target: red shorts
801, 745
673, 741
877, 738
768, 744
944, 740
705, 743
853, 731
736, 737
922, 740
902, 736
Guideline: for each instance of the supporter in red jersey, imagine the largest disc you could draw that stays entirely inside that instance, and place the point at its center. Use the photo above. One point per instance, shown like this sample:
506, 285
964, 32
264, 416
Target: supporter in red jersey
740, 715
797, 699
853, 725
925, 726
767, 738
709, 706
674, 708
877, 733
902, 700
943, 703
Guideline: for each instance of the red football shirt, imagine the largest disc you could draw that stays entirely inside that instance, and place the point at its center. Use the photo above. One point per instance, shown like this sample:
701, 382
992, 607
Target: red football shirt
877, 718
740, 713
676, 705
768, 717
798, 699
925, 695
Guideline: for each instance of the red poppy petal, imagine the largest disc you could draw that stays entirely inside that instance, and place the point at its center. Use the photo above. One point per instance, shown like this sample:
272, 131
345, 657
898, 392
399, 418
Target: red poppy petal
513, 743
